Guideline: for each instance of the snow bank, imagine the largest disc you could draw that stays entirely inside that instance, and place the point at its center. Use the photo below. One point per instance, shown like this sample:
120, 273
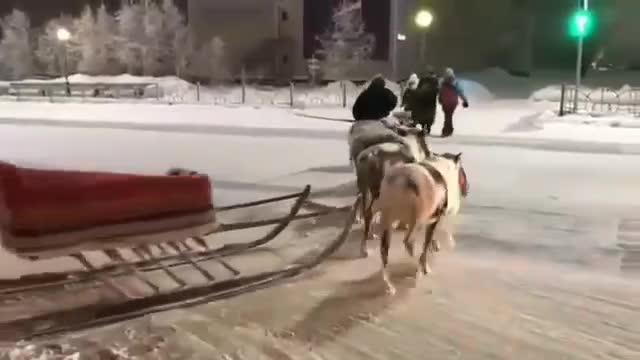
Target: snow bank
500, 83
476, 92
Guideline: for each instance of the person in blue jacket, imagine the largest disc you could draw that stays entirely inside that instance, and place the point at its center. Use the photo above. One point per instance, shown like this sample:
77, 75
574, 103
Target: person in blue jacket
450, 92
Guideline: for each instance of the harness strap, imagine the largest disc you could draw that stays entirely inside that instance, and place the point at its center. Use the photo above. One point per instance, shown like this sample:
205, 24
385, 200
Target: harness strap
440, 180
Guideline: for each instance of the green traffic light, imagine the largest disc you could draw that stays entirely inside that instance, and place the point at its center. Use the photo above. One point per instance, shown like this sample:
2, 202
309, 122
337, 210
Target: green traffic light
581, 23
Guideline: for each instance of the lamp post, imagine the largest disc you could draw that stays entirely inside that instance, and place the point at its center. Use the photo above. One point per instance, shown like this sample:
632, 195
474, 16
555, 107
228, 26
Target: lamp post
423, 20
63, 36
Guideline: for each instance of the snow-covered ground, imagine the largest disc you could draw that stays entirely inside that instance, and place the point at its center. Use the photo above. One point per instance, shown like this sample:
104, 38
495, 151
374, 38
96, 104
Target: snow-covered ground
537, 274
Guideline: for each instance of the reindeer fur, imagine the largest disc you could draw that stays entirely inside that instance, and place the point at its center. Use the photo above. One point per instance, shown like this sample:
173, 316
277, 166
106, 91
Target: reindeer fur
366, 133
419, 195
371, 166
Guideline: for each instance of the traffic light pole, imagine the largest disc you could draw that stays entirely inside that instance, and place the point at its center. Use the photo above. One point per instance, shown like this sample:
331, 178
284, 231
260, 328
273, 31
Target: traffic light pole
585, 5
578, 73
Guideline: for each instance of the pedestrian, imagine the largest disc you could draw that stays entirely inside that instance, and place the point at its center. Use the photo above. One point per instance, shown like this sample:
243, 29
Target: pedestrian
450, 91
422, 101
376, 102
412, 84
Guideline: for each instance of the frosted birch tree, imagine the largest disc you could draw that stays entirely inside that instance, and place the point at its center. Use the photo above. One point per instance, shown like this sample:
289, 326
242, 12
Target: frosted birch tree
154, 50
105, 36
96, 40
214, 56
85, 37
15, 47
132, 38
345, 43
166, 35
175, 35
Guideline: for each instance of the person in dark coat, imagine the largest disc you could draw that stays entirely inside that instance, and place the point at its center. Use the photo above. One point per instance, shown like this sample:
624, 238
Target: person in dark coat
423, 101
375, 102
450, 91
412, 84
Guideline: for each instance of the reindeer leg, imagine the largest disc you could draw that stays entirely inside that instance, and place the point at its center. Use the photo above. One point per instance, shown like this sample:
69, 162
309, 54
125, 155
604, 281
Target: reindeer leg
384, 255
401, 226
428, 239
408, 242
367, 217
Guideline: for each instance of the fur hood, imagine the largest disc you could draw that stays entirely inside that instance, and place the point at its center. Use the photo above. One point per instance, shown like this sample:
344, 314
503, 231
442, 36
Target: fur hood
413, 81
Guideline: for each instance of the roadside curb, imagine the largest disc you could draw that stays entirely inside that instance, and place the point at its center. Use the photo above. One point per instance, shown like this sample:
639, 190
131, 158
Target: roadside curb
577, 146
589, 147
334, 134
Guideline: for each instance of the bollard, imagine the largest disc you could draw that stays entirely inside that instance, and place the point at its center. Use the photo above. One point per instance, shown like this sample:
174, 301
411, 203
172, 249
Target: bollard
198, 91
243, 80
291, 93
563, 90
343, 86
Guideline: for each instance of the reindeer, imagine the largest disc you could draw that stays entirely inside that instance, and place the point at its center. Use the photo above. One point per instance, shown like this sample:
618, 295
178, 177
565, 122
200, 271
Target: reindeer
420, 194
371, 165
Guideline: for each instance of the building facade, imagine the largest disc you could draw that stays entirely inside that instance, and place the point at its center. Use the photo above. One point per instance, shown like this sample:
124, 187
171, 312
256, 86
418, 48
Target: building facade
273, 38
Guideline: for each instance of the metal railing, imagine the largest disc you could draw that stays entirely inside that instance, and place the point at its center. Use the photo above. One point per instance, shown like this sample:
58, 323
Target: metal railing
35, 90
297, 95
600, 100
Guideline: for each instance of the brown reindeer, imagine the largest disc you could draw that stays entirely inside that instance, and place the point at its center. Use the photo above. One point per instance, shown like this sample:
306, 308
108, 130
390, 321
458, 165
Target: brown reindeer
371, 166
420, 194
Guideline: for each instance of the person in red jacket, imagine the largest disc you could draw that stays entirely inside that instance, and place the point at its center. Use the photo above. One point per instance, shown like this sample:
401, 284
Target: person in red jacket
450, 91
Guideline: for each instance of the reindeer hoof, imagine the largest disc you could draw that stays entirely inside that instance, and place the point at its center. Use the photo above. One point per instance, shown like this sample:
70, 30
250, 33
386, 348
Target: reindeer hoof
409, 247
426, 269
363, 253
436, 245
390, 290
401, 226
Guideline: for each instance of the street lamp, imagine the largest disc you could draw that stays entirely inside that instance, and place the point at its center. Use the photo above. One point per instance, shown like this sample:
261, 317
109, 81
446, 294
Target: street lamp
63, 36
423, 20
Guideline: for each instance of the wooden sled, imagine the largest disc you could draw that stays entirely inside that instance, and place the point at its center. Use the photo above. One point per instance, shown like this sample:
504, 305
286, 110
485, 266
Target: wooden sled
162, 220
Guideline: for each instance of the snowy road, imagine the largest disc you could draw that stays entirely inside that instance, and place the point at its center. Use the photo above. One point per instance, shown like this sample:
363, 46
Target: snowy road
538, 272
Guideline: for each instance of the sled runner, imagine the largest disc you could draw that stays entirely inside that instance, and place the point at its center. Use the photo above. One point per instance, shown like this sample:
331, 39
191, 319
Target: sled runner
148, 228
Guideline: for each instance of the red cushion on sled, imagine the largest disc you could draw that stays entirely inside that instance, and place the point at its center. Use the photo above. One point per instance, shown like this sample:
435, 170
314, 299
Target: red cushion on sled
50, 201
8, 180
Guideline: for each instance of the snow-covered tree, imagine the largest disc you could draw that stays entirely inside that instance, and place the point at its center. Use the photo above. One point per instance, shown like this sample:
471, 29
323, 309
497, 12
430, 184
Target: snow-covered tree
176, 34
16, 52
97, 42
153, 52
50, 52
106, 30
132, 37
166, 33
184, 51
214, 53
85, 37
345, 43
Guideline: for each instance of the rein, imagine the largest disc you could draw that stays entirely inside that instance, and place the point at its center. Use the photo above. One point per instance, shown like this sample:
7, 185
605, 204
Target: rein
439, 180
